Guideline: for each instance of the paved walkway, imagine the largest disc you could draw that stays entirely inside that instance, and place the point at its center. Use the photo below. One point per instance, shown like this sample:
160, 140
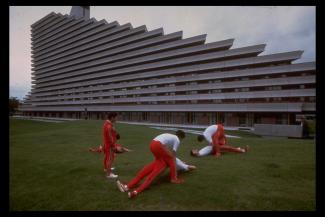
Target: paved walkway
45, 119
59, 120
196, 132
184, 126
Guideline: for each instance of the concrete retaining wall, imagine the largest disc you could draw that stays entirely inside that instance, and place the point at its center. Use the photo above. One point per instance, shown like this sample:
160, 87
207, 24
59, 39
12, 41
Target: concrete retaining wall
278, 130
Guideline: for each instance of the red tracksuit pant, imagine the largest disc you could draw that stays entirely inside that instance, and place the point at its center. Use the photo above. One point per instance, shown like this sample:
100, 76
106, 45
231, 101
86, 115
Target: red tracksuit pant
108, 159
153, 169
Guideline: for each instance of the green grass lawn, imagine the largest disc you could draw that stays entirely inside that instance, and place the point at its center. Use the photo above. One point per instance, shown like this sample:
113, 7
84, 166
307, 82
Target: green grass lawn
51, 169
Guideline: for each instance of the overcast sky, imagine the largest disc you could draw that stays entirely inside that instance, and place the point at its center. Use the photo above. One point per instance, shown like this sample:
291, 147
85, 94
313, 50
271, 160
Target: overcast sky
281, 28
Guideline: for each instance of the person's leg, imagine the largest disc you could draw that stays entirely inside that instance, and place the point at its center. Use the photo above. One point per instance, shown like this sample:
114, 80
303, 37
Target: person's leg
161, 153
180, 165
205, 151
108, 163
171, 163
143, 172
227, 148
105, 161
146, 170
112, 160
159, 166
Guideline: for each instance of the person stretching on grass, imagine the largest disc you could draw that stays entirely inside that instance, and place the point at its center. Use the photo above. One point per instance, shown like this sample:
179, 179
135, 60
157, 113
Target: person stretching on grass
215, 136
118, 148
109, 139
164, 157
180, 165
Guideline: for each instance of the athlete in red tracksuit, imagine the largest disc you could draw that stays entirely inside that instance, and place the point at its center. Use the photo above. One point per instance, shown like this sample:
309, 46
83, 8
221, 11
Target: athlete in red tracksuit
217, 143
163, 158
109, 140
118, 149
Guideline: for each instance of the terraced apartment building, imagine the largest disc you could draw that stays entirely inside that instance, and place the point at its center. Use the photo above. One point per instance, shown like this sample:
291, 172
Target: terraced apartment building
81, 66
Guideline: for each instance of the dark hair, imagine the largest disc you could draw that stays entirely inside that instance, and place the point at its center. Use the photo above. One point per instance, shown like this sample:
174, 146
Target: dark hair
111, 115
180, 134
200, 138
118, 136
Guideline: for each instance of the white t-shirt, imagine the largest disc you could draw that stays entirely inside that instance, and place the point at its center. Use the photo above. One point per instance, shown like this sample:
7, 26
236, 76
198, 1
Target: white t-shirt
208, 133
169, 140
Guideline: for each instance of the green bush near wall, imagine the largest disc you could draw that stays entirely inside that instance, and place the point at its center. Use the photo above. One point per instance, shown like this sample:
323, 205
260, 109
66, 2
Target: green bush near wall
311, 126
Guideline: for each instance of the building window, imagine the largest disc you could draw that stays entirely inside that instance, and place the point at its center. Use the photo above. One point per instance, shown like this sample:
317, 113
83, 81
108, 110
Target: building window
217, 100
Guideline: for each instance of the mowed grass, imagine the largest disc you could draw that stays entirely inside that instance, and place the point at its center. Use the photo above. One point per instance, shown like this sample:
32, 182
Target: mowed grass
51, 169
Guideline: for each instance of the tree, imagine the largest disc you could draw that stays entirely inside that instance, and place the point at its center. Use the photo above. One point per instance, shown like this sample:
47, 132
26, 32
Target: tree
13, 105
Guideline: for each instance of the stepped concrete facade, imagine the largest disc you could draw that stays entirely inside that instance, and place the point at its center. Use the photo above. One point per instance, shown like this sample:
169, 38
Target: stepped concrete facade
85, 67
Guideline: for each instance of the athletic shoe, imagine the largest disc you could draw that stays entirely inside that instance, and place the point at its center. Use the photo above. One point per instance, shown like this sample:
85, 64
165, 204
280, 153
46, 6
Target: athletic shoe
121, 186
112, 176
132, 194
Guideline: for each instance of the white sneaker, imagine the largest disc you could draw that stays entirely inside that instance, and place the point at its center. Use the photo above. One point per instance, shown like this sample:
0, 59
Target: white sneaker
132, 194
112, 176
121, 186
